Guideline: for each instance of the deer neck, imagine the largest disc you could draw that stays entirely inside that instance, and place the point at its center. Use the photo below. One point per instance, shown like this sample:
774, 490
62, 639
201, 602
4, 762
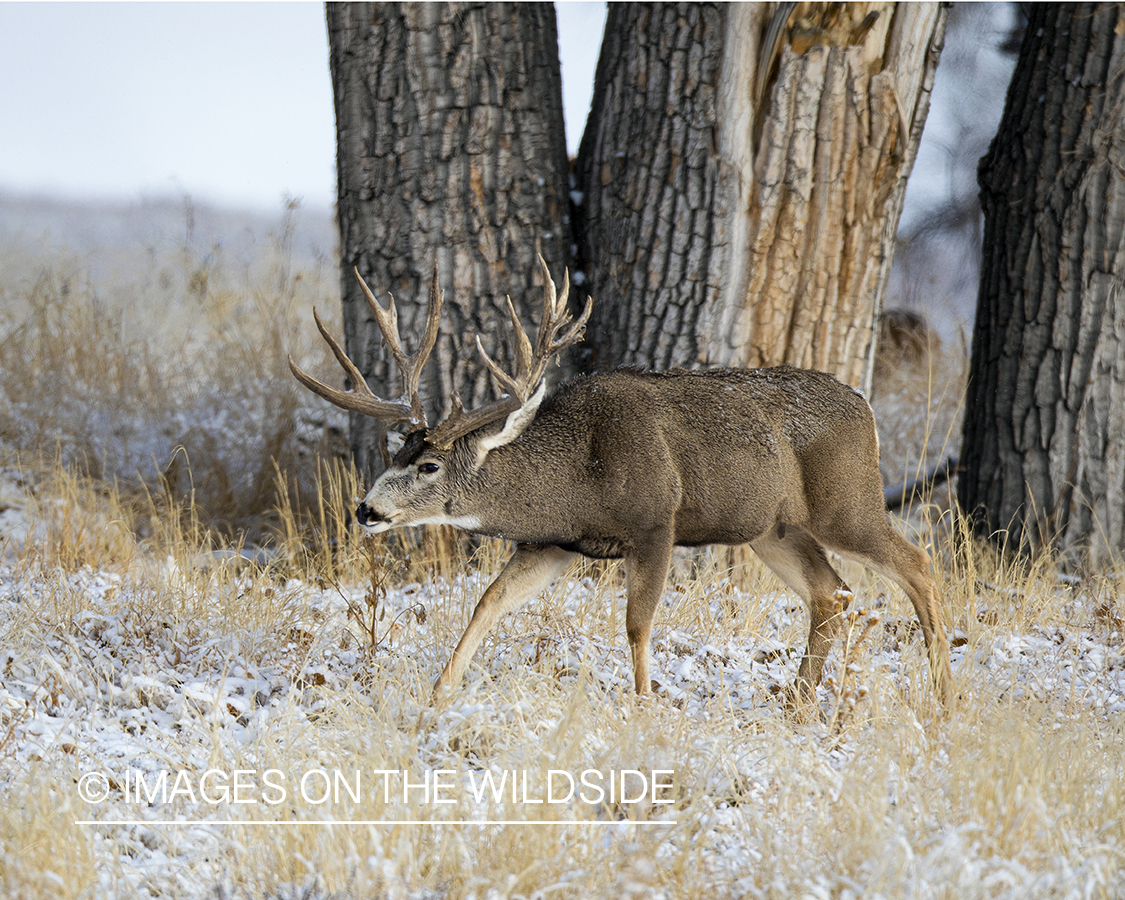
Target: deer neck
519, 491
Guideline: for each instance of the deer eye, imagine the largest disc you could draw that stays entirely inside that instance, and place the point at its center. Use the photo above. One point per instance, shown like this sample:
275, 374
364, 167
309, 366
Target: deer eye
428, 468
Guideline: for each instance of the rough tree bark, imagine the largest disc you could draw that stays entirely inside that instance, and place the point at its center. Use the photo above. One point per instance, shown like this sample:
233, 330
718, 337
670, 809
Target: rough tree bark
743, 171
451, 149
1044, 434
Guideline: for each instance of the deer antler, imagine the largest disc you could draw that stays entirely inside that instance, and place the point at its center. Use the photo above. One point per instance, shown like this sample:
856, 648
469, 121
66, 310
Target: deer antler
530, 365
408, 408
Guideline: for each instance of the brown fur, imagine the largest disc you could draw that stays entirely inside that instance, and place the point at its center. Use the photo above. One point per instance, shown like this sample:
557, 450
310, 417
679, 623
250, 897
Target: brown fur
630, 464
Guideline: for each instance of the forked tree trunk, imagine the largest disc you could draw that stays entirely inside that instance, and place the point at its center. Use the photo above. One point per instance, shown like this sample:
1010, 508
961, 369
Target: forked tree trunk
1044, 435
743, 171
451, 149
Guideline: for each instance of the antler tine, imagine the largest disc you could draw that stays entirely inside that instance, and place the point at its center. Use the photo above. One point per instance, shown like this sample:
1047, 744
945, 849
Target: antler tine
562, 317
574, 335
510, 384
413, 374
517, 385
338, 352
410, 366
530, 365
549, 323
360, 399
556, 316
523, 345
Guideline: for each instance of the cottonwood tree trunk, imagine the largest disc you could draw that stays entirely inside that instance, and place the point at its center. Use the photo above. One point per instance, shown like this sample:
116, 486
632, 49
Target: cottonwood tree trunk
451, 148
743, 171
1044, 434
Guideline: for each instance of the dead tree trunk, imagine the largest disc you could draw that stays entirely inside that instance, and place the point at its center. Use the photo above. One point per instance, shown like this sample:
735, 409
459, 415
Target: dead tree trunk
742, 172
451, 149
1044, 434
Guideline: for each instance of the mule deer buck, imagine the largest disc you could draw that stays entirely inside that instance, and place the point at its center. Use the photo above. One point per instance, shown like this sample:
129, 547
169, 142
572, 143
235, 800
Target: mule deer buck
631, 464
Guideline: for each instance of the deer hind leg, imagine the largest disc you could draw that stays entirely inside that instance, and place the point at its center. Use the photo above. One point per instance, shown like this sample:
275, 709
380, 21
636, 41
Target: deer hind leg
894, 557
530, 571
800, 562
646, 572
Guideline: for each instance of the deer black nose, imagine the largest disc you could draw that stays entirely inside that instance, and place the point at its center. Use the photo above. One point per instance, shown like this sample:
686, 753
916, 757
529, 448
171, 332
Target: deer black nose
365, 515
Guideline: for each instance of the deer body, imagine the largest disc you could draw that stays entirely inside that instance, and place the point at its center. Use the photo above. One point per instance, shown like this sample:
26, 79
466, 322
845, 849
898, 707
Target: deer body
713, 457
630, 464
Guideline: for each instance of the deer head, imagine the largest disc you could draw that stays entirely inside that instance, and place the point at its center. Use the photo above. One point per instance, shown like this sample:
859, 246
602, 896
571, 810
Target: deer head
421, 485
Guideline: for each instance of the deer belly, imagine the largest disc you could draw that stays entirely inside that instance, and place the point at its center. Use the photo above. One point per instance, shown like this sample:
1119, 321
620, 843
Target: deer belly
596, 548
727, 520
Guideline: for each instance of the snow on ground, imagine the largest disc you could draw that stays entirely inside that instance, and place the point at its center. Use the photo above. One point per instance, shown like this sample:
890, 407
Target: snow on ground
140, 697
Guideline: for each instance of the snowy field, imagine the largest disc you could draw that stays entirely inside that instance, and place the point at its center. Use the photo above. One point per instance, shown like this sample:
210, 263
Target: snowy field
176, 728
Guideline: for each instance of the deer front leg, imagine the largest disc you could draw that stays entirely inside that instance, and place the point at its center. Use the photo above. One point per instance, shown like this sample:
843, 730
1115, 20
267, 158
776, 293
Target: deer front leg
646, 571
530, 570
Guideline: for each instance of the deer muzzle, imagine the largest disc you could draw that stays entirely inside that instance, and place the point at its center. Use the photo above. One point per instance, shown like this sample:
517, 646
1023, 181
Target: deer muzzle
369, 518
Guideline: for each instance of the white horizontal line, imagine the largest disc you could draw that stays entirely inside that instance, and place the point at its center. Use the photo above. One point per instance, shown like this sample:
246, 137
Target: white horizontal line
346, 822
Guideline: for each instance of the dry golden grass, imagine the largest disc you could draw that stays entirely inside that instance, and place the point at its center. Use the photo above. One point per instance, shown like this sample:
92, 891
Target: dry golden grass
917, 394
170, 379
127, 643
1017, 791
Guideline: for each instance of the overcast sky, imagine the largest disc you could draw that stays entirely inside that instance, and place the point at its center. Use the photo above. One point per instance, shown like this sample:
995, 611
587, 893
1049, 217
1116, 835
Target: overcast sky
230, 102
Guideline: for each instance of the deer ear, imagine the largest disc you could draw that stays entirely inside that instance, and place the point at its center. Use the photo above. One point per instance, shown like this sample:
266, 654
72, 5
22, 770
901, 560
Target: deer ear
514, 425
